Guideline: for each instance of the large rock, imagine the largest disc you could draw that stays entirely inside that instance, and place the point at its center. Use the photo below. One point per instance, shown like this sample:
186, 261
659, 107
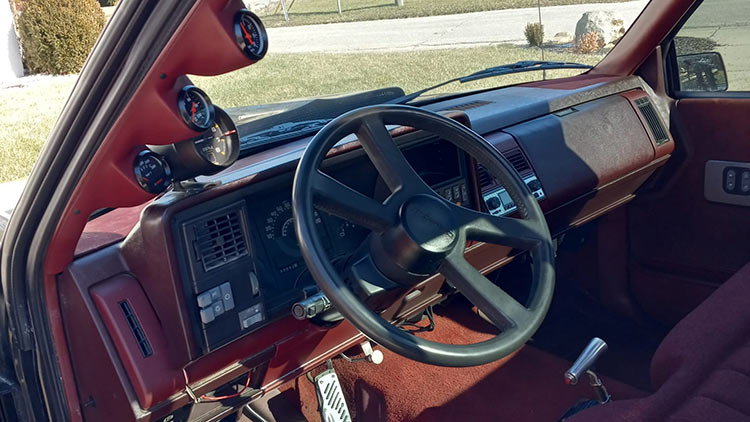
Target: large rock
263, 7
606, 24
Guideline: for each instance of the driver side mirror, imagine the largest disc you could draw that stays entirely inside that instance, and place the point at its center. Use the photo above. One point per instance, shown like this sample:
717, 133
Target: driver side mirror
702, 72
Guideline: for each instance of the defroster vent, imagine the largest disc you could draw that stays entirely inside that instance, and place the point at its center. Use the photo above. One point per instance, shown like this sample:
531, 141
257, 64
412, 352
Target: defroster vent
220, 239
653, 121
516, 159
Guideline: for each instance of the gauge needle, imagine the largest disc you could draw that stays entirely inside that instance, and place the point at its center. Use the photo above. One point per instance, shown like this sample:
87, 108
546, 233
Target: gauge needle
247, 35
194, 110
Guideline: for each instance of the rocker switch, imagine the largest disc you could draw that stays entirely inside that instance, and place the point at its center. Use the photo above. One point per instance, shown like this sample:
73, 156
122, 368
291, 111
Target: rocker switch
744, 181
204, 300
731, 180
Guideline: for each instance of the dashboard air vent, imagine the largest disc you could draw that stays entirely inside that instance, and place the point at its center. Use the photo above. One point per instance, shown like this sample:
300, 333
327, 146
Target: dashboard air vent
652, 120
220, 240
485, 180
135, 328
514, 156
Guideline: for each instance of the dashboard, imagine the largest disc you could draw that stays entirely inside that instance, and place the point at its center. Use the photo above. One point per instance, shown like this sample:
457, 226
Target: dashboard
190, 290
185, 289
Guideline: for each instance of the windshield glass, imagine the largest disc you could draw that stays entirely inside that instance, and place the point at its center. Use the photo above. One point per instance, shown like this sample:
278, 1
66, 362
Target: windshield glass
315, 50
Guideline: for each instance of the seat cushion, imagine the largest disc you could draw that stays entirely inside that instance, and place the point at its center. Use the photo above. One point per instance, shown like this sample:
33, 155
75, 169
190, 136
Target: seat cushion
701, 371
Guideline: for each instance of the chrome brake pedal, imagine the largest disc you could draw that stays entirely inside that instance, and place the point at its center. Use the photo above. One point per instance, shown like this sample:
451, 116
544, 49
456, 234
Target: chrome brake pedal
331, 401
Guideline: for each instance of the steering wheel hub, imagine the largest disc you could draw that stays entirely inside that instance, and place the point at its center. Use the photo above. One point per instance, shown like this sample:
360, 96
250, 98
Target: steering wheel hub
426, 233
429, 224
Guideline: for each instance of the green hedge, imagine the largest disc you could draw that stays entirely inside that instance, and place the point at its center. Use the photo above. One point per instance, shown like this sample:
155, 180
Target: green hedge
57, 35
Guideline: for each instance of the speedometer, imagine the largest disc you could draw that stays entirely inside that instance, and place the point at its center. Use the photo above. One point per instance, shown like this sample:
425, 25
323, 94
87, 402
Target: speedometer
279, 228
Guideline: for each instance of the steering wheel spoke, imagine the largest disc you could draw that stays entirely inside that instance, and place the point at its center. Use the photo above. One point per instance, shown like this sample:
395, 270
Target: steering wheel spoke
342, 201
507, 231
501, 308
387, 158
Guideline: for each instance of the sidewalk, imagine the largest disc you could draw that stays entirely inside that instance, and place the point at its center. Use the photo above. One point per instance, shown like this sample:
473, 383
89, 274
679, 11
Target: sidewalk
433, 32
10, 193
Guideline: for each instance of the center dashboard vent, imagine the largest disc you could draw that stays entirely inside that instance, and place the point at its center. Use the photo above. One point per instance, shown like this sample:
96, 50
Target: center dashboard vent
516, 159
220, 239
653, 121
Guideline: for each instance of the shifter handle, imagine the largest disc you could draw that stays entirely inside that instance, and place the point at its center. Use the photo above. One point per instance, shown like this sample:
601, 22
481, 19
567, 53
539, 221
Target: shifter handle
585, 361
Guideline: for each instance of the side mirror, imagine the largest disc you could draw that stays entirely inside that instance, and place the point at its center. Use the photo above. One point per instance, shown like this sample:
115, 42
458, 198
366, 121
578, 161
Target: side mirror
703, 72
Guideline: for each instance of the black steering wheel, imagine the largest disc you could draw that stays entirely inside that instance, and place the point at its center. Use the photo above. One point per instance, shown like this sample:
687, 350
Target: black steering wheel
417, 233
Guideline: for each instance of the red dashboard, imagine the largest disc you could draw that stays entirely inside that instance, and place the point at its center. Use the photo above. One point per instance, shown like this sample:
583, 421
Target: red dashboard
590, 158
123, 287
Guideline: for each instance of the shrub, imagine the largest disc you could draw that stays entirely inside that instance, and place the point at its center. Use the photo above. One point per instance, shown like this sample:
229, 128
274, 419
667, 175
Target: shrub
590, 42
534, 33
57, 35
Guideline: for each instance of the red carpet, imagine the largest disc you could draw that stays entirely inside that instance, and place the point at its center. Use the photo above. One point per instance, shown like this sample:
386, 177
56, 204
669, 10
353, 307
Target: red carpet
525, 387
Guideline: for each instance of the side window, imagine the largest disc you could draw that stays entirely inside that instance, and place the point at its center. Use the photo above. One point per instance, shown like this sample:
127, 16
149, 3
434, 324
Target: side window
713, 48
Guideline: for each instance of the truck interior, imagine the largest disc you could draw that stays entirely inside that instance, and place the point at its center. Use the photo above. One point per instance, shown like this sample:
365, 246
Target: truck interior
447, 259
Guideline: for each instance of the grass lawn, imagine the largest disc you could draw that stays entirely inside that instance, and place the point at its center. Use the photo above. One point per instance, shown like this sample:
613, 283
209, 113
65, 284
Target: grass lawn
309, 12
276, 78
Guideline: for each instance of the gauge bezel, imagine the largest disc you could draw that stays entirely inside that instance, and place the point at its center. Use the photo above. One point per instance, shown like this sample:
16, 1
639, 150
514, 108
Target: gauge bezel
185, 113
187, 162
240, 37
139, 177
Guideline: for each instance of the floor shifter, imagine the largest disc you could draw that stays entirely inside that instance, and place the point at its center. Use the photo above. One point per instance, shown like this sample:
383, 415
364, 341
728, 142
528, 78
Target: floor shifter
583, 365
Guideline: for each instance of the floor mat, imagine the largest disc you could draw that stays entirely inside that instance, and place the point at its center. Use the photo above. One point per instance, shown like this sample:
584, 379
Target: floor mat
525, 387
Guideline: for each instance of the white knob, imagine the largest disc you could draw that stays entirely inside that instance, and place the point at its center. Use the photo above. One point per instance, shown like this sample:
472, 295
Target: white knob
376, 357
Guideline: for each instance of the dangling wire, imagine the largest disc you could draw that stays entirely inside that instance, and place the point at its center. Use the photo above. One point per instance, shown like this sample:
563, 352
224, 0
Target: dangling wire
415, 328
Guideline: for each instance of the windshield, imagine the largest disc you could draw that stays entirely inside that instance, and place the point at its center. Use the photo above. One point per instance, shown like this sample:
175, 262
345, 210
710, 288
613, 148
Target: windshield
411, 44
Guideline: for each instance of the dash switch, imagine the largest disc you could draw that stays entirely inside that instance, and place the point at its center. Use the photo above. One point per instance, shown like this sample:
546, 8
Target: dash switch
730, 181
744, 181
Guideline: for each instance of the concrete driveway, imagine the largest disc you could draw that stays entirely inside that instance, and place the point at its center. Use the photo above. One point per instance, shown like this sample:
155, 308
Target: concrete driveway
432, 32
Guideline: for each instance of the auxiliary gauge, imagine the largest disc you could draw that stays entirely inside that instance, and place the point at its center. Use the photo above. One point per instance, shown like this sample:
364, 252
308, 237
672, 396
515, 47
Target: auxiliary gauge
152, 172
250, 34
195, 108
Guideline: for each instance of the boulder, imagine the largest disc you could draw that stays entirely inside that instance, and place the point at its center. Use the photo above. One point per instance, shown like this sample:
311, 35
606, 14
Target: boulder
606, 24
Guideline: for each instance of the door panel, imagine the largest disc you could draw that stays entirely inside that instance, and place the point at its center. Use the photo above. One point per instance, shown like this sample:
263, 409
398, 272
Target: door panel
683, 246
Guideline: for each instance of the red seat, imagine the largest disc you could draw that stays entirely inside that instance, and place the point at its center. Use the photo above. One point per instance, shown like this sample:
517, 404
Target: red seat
701, 371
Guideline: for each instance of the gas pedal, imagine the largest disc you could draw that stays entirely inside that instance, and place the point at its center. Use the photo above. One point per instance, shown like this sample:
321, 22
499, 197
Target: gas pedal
331, 402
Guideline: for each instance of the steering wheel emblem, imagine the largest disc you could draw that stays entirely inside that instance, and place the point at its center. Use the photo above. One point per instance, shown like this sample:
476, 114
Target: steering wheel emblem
429, 223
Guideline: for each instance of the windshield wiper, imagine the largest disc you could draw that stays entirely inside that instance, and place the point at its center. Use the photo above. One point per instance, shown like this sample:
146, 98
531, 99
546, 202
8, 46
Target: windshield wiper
503, 69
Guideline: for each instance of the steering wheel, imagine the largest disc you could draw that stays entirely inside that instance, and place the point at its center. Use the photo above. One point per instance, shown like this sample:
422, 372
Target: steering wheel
417, 233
